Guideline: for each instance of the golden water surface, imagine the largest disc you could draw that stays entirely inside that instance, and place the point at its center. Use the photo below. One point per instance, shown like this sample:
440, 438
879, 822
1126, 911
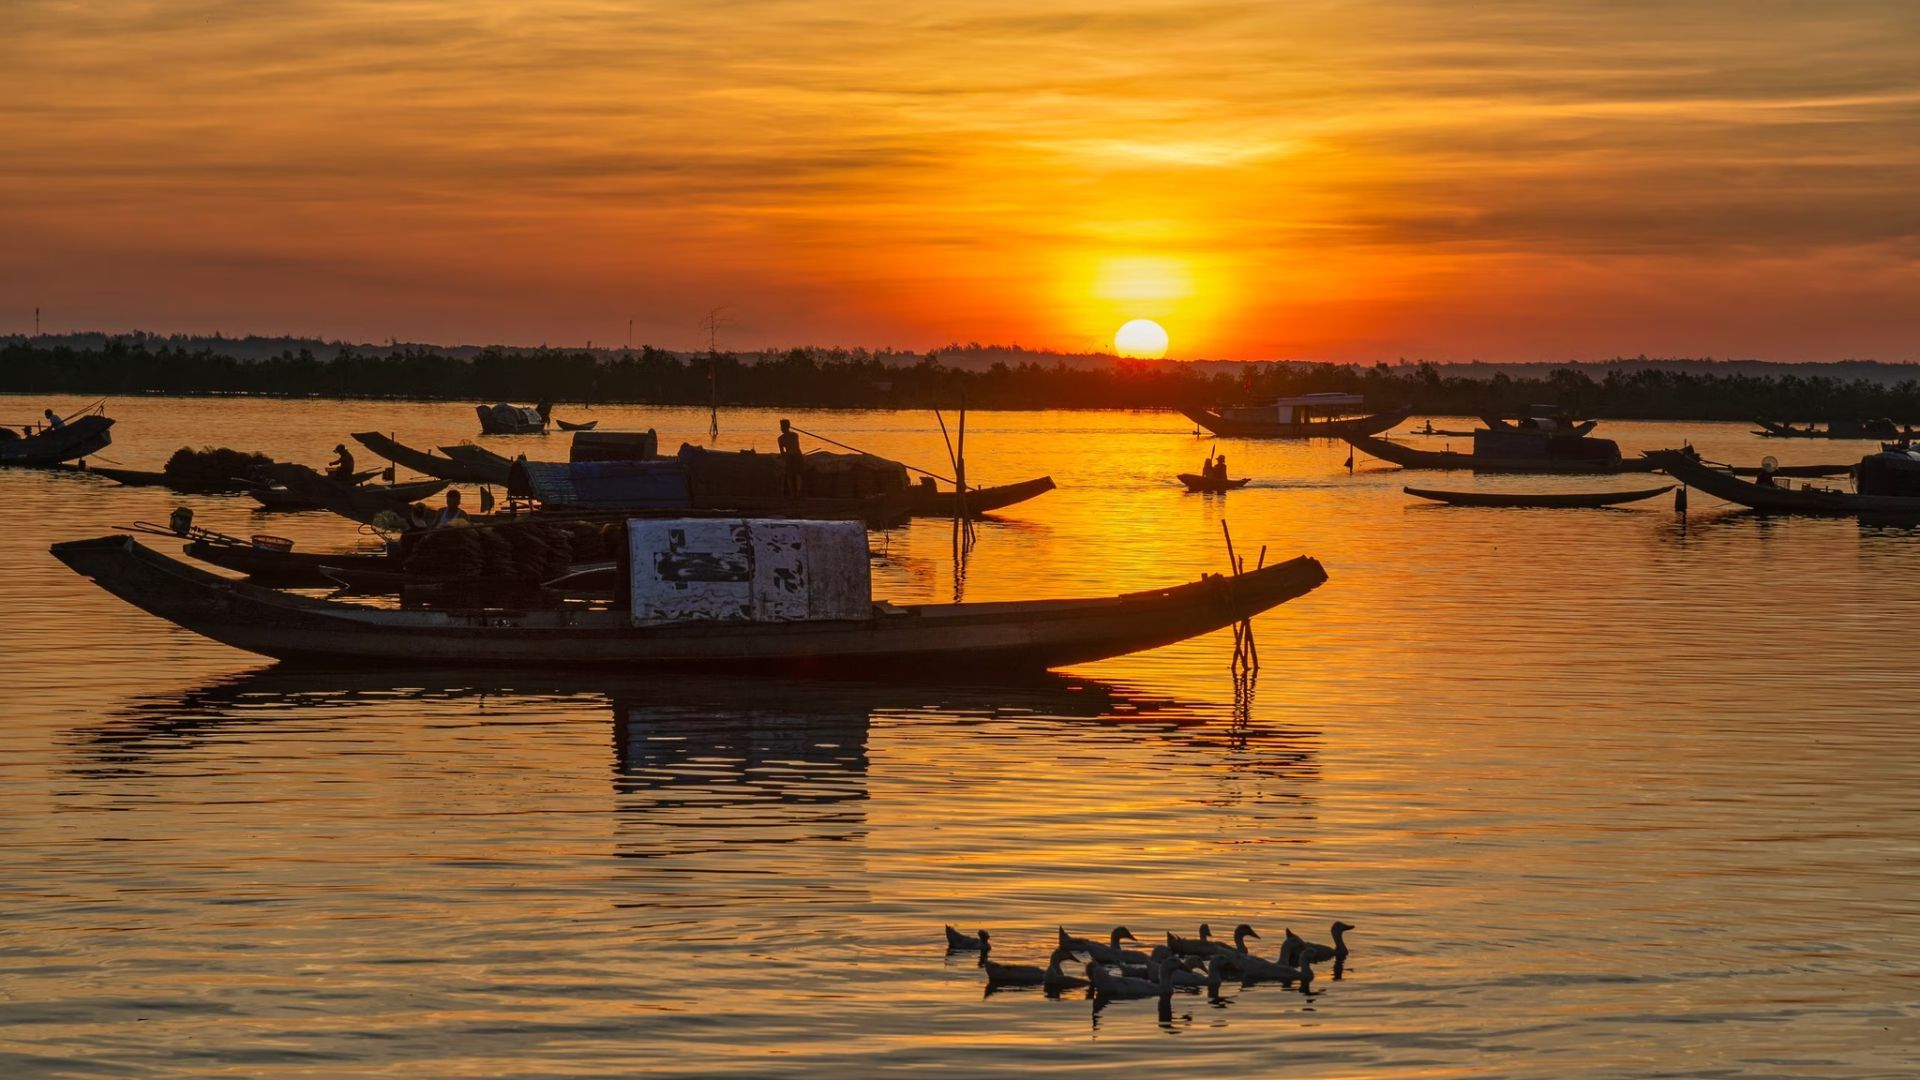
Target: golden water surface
1606, 794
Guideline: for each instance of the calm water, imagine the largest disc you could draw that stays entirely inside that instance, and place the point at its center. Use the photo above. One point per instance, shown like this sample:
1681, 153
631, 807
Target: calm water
1606, 796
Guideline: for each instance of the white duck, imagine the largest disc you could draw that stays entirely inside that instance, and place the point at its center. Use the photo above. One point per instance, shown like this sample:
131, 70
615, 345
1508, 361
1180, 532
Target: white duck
1257, 969
1239, 947
1110, 986
1184, 971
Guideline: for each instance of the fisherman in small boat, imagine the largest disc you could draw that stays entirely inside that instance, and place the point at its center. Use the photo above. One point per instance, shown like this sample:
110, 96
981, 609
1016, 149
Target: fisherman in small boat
1219, 467
793, 464
452, 513
341, 467
54, 423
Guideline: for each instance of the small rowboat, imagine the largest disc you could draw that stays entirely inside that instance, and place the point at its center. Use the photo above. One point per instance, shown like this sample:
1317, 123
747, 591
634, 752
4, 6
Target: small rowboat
938, 502
1196, 482
459, 470
1538, 500
321, 493
568, 425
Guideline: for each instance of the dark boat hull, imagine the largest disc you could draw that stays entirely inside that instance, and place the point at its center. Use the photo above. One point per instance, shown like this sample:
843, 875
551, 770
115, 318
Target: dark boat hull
1316, 429
1410, 458
1778, 500
86, 435
422, 461
929, 639
1584, 427
569, 426
321, 493
490, 467
1196, 482
1860, 433
980, 500
145, 478
1524, 500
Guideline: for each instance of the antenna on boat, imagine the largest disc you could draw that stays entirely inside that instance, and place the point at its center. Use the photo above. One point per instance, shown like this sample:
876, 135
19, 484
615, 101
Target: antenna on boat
712, 323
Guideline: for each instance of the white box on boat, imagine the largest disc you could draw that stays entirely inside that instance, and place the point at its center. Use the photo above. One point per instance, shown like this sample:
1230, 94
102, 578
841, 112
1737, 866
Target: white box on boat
748, 570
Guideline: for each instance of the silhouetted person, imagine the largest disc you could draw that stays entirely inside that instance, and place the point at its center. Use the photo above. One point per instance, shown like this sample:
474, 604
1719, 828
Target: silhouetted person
1220, 468
793, 463
1765, 479
341, 467
54, 423
453, 512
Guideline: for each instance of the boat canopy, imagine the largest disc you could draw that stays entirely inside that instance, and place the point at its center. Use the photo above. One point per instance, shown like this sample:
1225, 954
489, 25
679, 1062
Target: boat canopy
603, 485
1293, 410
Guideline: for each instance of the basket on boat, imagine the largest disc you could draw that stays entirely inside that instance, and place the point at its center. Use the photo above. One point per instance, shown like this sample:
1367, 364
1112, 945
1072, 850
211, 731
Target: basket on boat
272, 543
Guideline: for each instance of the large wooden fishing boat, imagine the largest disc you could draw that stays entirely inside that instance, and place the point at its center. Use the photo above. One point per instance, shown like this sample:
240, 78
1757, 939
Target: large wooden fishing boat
1538, 500
1309, 416
905, 640
931, 501
52, 445
1777, 499
459, 471
504, 419
1541, 418
1545, 454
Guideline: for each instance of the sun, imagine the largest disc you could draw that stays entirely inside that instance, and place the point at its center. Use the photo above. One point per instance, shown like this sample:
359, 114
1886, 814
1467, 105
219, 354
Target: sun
1141, 339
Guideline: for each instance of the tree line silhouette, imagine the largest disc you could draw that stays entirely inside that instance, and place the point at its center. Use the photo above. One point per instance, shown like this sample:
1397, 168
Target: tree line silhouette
839, 378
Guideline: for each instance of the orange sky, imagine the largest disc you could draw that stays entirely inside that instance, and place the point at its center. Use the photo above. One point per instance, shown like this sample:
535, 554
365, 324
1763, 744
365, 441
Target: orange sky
1316, 179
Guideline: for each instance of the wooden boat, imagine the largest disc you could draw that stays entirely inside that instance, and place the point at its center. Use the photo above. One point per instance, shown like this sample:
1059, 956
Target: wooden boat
1410, 458
568, 425
1557, 423
1838, 429
1294, 418
1431, 430
50, 446
296, 487
475, 471
1780, 500
492, 467
145, 478
1801, 471
1210, 484
285, 569
1538, 500
925, 639
929, 501
504, 419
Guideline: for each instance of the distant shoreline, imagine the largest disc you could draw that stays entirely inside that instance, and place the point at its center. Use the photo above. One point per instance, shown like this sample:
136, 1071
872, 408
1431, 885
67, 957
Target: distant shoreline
803, 378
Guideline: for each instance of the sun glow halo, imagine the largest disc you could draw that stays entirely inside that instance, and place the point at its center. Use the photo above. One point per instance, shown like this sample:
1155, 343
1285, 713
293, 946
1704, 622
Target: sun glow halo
1141, 339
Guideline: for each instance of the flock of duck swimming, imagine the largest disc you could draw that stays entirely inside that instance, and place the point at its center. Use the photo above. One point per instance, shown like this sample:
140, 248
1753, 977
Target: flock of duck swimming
1114, 973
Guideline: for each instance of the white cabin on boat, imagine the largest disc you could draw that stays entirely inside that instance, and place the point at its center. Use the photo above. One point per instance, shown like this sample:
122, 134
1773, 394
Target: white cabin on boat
748, 570
1296, 410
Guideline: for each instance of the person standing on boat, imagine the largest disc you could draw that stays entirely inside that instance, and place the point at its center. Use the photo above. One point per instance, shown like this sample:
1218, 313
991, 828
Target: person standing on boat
54, 423
452, 513
341, 468
793, 464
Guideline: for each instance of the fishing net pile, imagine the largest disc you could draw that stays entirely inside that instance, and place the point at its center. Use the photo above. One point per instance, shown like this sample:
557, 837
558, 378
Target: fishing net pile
209, 465
528, 552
